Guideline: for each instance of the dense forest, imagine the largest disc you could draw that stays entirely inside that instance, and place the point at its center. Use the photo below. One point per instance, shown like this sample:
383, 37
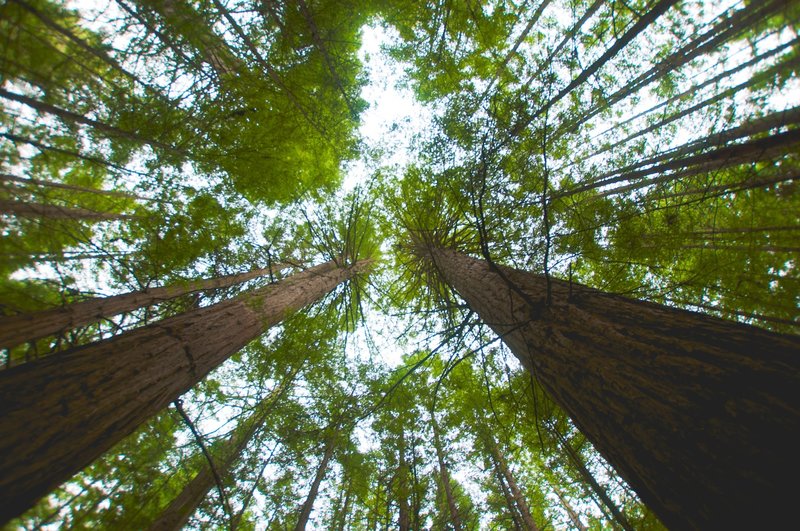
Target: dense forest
562, 295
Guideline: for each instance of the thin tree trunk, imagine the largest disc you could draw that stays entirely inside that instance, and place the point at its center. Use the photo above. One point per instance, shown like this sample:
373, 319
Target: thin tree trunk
700, 415
308, 505
17, 329
516, 493
573, 516
512, 508
39, 210
455, 518
178, 512
4, 177
77, 405
404, 516
111, 130
589, 479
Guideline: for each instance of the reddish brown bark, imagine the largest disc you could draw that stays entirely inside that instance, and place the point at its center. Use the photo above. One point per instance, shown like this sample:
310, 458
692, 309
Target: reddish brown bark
60, 413
700, 415
17, 329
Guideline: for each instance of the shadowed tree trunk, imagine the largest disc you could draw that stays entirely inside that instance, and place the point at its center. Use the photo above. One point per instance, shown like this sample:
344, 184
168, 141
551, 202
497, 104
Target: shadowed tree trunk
308, 505
404, 516
76, 405
700, 415
17, 329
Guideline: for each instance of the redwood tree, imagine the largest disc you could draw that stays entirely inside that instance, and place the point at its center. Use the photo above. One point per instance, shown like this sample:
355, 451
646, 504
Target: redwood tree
76, 405
700, 415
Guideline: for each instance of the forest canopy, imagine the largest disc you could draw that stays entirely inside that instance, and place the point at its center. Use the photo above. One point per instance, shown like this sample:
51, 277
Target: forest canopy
240, 290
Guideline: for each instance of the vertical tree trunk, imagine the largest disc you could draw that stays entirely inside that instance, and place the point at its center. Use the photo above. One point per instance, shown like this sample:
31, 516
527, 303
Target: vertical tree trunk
700, 415
76, 405
455, 518
178, 512
308, 505
404, 516
17, 329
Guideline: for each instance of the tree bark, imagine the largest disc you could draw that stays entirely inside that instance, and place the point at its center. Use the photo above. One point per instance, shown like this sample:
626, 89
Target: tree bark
404, 511
27, 209
512, 508
77, 405
17, 329
308, 505
178, 512
701, 416
455, 518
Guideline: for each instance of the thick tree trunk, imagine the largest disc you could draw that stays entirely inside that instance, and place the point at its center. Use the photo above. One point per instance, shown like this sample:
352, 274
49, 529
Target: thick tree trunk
455, 518
27, 209
17, 329
700, 415
516, 494
178, 512
77, 405
308, 505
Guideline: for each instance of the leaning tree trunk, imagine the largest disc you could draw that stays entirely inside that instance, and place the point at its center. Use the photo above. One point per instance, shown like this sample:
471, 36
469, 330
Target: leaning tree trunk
516, 493
17, 329
60, 413
700, 415
183, 506
27, 209
308, 504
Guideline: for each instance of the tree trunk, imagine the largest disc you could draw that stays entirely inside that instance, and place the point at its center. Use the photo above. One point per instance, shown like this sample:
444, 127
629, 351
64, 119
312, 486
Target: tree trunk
404, 511
516, 493
588, 477
308, 505
5, 177
573, 516
77, 405
27, 209
700, 415
512, 508
178, 512
17, 329
455, 518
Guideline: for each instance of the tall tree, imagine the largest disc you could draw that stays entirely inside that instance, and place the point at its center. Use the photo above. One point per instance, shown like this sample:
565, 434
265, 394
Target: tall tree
697, 413
83, 401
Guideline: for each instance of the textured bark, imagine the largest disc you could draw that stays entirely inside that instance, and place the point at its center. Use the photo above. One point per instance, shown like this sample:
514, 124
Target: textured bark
178, 512
27, 209
77, 405
701, 416
455, 518
308, 504
17, 329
